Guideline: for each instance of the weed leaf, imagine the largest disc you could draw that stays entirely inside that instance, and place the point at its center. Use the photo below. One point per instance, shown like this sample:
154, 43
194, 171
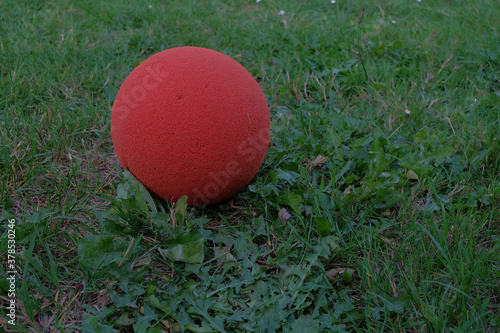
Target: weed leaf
188, 247
101, 250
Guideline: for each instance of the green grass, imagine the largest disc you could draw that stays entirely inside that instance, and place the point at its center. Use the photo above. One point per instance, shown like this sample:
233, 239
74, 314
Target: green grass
397, 230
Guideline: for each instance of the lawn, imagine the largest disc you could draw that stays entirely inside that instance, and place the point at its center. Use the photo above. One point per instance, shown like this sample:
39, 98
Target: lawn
376, 208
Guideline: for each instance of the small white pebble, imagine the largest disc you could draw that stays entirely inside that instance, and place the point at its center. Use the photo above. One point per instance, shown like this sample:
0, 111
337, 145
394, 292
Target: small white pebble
282, 12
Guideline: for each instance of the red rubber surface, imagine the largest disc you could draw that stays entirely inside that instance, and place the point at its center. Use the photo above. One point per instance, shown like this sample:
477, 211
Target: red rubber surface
191, 121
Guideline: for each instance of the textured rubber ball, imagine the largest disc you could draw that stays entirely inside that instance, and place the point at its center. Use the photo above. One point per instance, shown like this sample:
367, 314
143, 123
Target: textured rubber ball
191, 121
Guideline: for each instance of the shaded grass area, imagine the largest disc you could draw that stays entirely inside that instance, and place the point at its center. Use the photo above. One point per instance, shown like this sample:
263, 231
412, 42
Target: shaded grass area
376, 208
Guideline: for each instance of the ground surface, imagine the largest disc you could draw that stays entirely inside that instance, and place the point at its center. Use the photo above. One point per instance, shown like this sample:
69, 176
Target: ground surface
376, 208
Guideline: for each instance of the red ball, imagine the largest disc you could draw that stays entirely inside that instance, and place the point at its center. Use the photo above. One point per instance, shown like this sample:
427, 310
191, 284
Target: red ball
191, 121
